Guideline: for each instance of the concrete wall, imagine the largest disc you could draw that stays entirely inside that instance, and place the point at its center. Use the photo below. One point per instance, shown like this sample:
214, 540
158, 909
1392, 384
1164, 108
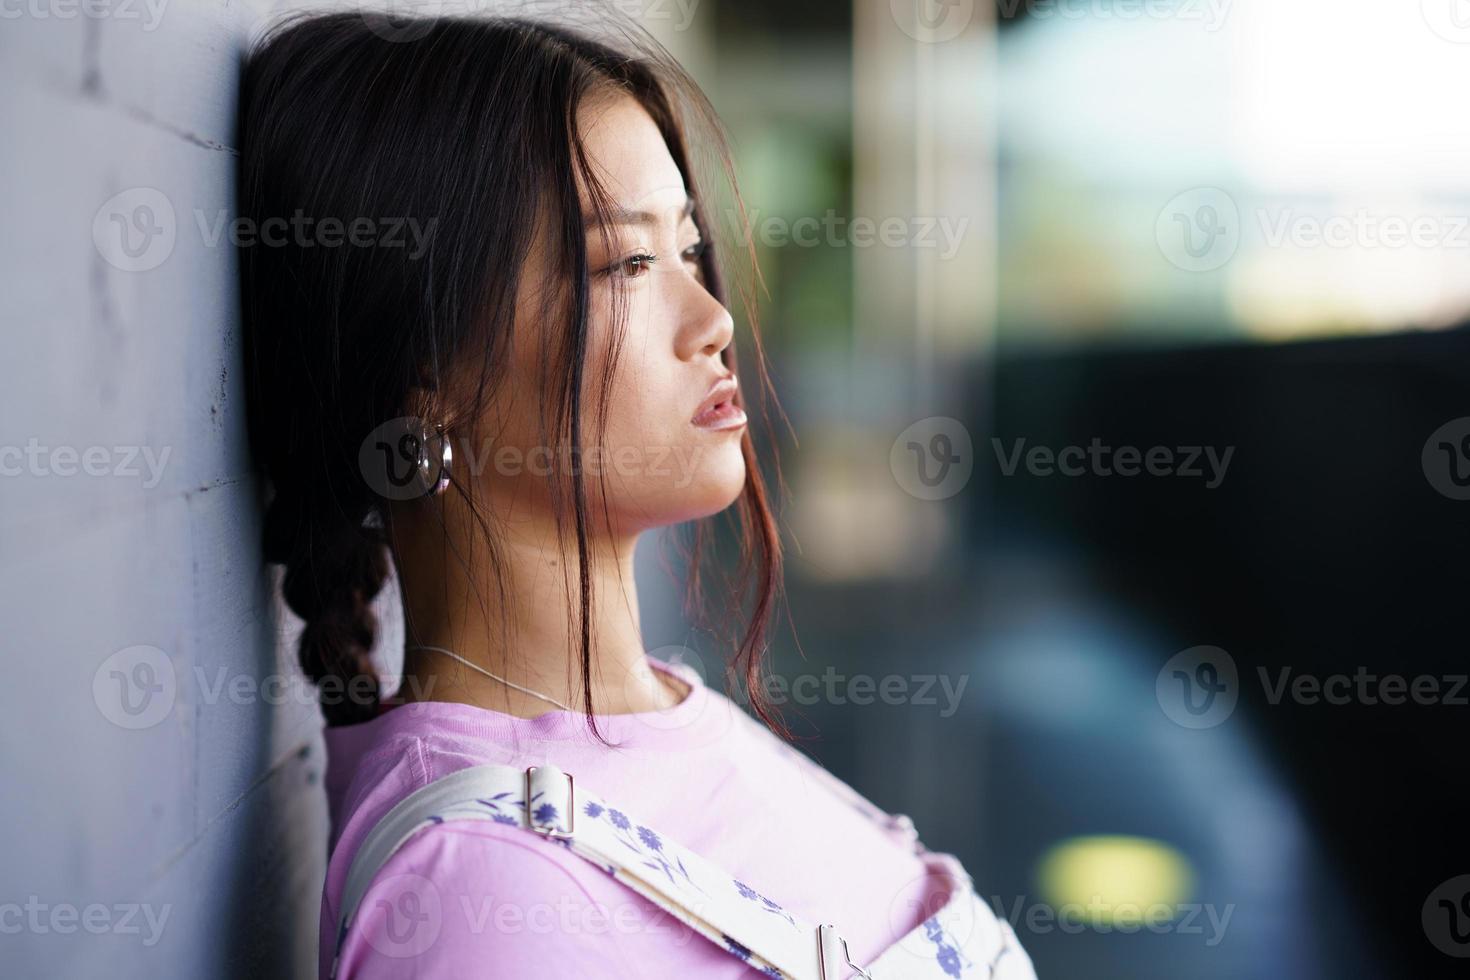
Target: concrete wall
160, 760
160, 808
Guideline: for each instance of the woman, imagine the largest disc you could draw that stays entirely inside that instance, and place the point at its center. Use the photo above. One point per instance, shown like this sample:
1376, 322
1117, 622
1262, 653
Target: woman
489, 347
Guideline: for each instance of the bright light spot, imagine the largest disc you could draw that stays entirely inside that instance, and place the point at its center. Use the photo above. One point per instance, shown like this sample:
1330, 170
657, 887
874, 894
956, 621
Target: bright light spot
1115, 881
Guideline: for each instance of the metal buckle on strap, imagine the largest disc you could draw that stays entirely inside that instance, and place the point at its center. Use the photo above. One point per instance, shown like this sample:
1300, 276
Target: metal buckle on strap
828, 942
551, 830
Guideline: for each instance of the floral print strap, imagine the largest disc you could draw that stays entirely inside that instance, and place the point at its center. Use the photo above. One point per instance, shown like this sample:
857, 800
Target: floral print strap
963, 940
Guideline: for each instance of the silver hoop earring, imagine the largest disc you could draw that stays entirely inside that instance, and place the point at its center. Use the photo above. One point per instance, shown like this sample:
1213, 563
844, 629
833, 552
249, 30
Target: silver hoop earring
434, 472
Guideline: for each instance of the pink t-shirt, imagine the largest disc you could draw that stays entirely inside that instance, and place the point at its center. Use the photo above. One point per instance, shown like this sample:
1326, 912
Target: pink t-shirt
490, 900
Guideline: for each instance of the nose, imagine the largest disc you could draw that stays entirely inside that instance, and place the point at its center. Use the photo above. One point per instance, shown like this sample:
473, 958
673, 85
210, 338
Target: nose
706, 326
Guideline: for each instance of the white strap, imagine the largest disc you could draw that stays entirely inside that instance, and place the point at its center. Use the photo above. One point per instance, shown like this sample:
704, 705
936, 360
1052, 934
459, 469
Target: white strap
728, 912
705, 898
474, 790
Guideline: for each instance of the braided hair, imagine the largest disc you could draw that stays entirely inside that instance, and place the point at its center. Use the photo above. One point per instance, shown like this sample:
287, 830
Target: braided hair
334, 567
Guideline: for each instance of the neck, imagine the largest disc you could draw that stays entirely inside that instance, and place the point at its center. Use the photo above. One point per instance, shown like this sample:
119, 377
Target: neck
516, 613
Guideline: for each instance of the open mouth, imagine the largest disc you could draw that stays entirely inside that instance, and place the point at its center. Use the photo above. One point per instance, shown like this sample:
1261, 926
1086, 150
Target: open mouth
721, 415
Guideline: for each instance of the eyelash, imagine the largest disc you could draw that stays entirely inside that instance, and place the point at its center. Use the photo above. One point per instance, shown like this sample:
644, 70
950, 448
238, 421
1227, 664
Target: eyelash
691, 254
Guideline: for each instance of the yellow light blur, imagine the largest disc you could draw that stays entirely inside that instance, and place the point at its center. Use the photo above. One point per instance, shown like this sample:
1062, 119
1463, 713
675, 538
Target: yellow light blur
1112, 881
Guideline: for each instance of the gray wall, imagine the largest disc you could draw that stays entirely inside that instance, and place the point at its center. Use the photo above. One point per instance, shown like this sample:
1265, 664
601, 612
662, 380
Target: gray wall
161, 812
134, 784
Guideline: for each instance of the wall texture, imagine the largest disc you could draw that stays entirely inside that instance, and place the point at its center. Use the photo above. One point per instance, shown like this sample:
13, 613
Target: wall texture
160, 760
160, 801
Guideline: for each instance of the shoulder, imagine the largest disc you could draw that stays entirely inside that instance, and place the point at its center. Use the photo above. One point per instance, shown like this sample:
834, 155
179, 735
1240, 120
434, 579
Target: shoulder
464, 894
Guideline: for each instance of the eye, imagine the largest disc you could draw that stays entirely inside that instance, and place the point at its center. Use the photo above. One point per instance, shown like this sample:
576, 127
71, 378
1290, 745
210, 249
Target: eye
634, 265
695, 252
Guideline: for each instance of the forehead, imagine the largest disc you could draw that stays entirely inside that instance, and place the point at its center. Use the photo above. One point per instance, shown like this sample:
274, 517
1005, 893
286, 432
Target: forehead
628, 154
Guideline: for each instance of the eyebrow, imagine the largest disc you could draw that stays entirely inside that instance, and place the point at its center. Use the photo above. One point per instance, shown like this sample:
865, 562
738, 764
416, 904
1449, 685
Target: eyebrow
621, 216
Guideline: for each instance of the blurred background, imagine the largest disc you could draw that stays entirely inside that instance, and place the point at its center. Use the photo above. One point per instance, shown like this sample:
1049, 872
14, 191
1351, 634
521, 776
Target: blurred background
1233, 231
1123, 348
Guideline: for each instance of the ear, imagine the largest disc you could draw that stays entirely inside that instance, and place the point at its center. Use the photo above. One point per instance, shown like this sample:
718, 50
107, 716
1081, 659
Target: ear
424, 404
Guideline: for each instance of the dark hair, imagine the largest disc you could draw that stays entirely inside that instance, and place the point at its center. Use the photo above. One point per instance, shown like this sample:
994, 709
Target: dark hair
470, 123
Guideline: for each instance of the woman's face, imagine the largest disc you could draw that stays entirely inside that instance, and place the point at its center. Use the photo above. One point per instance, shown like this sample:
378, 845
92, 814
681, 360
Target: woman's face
664, 457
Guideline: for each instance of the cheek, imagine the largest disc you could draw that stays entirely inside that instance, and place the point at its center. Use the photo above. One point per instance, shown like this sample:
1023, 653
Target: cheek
641, 403
638, 389
658, 468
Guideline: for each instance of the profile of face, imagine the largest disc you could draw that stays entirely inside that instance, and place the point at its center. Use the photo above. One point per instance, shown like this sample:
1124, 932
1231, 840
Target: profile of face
672, 423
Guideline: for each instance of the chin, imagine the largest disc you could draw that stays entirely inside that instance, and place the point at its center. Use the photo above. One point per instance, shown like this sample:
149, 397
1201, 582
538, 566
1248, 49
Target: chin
720, 481
712, 489
718, 498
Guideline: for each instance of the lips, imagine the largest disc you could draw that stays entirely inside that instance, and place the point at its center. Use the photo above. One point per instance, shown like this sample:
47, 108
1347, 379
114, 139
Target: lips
718, 410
